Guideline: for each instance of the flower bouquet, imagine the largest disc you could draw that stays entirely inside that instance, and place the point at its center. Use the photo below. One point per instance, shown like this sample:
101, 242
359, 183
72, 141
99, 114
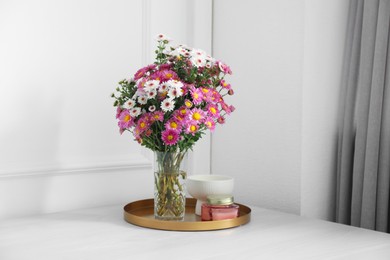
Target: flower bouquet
168, 106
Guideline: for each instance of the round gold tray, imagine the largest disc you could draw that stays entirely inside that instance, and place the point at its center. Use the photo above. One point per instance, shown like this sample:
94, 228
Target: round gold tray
140, 213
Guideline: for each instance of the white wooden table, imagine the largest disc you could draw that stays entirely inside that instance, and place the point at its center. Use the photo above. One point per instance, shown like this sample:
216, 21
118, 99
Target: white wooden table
101, 233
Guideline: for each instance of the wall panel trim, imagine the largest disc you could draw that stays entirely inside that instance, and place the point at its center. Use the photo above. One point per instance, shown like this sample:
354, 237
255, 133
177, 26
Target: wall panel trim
107, 167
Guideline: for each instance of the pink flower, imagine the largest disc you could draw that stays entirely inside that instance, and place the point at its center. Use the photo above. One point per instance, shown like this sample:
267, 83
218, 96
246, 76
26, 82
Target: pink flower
151, 67
148, 132
209, 123
140, 73
170, 137
216, 97
185, 89
191, 127
225, 85
180, 114
125, 120
212, 110
183, 111
196, 95
208, 97
165, 66
224, 68
141, 84
196, 115
168, 75
221, 120
188, 103
173, 124
118, 112
227, 108
142, 125
205, 90
157, 116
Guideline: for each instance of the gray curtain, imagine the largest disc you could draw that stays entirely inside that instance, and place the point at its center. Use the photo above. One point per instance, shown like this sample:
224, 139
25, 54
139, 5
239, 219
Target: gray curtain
363, 166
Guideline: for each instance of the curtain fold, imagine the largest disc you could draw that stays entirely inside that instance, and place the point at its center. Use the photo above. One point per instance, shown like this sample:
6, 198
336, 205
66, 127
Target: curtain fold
363, 170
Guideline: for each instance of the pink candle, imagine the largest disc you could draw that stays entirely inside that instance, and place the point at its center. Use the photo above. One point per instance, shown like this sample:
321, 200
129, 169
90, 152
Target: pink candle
219, 207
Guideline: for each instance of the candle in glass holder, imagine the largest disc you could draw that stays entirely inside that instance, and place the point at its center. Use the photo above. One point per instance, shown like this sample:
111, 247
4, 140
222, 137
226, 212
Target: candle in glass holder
219, 207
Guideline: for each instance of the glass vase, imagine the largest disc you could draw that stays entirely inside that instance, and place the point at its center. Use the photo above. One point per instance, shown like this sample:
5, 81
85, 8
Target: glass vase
170, 172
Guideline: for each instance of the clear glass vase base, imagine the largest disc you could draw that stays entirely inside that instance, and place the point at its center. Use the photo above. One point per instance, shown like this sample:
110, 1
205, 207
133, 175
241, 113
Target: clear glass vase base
169, 218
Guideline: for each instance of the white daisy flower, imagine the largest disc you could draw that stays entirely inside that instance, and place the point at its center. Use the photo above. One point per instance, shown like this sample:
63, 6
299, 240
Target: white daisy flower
209, 58
167, 50
135, 111
175, 83
151, 85
151, 94
175, 92
162, 37
184, 47
129, 104
167, 105
164, 87
180, 51
198, 53
142, 100
138, 93
198, 61
152, 108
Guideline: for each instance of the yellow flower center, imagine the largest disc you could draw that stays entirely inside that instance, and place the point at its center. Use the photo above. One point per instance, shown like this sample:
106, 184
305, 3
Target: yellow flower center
212, 110
173, 125
208, 123
188, 104
196, 116
127, 118
224, 84
169, 75
196, 95
142, 125
183, 112
170, 137
193, 128
205, 90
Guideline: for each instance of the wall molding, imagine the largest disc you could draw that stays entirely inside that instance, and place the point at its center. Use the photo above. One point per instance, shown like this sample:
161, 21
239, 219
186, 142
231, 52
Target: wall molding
139, 162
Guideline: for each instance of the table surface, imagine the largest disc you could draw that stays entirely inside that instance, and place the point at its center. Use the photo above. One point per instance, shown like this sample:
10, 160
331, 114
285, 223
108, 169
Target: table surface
101, 233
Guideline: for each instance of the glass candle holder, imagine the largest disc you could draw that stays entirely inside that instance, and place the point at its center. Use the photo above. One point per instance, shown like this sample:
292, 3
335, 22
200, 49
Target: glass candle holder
219, 207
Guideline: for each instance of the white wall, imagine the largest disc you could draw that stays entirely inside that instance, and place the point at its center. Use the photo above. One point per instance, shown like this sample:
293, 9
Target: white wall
260, 143
325, 33
279, 144
59, 62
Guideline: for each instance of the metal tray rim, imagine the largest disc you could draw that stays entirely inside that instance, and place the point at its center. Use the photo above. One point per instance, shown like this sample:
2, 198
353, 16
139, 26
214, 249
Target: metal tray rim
144, 208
